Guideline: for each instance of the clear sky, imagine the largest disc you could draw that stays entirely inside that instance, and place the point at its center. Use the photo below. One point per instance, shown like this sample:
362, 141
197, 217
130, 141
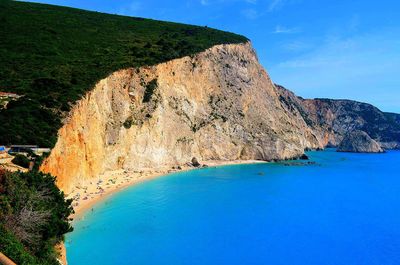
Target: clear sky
316, 48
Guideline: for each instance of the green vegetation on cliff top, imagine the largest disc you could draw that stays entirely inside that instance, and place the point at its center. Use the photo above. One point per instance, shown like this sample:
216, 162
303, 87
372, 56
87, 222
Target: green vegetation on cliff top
53, 55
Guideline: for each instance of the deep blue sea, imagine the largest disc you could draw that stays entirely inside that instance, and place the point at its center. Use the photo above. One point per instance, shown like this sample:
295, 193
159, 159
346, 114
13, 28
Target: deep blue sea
345, 209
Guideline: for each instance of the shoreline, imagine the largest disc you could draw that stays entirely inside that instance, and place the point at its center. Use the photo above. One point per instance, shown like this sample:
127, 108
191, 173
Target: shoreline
113, 182
125, 179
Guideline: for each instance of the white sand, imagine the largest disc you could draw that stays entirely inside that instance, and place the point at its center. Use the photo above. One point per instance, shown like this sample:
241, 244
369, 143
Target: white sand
86, 195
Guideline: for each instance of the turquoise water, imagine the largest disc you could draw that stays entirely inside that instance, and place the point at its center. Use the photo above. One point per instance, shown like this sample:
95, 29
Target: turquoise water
345, 209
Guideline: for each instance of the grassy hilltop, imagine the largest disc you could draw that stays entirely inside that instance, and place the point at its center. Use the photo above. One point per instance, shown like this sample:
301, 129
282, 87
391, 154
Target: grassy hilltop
53, 55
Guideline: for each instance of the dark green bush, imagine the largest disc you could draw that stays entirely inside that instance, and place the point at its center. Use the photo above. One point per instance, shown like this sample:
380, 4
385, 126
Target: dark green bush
149, 91
33, 217
21, 161
128, 123
15, 249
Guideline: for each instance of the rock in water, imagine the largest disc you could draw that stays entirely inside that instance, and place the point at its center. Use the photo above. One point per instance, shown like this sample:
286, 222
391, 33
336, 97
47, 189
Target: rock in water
359, 142
304, 157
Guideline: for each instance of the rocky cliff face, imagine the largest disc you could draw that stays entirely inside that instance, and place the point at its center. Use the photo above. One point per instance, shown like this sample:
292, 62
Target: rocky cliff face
343, 116
393, 117
217, 105
359, 142
331, 119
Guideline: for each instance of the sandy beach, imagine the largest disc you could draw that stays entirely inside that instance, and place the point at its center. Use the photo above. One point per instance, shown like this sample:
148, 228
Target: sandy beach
88, 194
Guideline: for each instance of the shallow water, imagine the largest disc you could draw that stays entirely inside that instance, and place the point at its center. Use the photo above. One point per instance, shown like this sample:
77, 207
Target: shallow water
345, 209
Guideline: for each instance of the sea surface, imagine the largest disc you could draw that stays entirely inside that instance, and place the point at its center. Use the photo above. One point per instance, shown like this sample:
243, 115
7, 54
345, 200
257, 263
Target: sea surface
344, 209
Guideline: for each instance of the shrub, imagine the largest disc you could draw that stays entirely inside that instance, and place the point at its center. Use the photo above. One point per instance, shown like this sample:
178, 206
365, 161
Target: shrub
149, 91
15, 249
21, 161
128, 123
33, 217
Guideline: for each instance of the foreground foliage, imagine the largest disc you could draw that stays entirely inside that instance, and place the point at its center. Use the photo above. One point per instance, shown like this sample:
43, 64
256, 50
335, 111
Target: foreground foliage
33, 217
21, 161
53, 55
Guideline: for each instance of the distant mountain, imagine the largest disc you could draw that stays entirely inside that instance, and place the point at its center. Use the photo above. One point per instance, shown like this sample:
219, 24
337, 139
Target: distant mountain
394, 117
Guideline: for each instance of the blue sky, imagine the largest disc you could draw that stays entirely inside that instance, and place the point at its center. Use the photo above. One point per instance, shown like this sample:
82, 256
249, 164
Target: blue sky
317, 48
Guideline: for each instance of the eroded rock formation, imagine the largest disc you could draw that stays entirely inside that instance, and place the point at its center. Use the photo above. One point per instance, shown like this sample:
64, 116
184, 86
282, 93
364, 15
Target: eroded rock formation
217, 105
359, 142
331, 119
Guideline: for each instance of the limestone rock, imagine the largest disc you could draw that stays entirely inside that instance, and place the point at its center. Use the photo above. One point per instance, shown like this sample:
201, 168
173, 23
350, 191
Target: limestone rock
304, 157
332, 119
195, 162
219, 104
216, 105
359, 142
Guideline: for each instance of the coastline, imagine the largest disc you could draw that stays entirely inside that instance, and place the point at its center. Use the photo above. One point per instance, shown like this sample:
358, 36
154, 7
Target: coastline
123, 179
112, 182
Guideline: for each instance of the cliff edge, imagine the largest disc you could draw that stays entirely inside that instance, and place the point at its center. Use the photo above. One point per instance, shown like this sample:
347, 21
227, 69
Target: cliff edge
219, 104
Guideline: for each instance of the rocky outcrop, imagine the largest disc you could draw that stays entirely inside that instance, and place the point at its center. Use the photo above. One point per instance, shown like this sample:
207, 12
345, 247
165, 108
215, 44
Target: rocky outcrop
359, 142
195, 162
393, 117
343, 116
331, 119
217, 105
